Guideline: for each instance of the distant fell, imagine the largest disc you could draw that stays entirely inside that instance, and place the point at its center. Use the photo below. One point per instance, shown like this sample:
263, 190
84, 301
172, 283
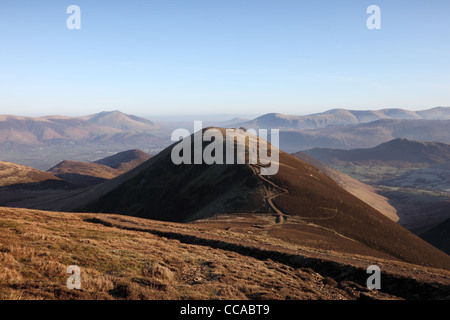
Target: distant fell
120, 120
126, 160
337, 117
14, 174
397, 151
83, 173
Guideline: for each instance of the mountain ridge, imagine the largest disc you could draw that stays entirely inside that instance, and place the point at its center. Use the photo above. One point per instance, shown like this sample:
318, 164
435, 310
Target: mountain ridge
125, 160
335, 117
40, 130
119, 120
13, 174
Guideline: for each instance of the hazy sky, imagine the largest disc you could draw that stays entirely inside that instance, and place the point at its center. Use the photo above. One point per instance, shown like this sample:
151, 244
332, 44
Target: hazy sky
222, 56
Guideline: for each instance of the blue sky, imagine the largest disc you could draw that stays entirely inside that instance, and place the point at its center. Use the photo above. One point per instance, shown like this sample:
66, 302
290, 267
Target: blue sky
160, 57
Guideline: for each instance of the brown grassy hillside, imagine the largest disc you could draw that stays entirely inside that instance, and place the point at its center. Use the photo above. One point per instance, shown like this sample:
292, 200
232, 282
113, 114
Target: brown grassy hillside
313, 198
83, 173
130, 258
11, 174
84, 168
126, 160
362, 191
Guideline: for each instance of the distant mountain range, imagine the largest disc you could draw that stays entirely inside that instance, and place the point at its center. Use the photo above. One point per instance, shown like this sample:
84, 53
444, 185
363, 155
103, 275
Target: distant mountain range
100, 127
13, 174
43, 142
338, 117
113, 125
347, 129
398, 152
366, 135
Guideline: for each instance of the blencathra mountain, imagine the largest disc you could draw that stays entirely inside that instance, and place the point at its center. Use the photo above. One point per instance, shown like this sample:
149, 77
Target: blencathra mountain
43, 142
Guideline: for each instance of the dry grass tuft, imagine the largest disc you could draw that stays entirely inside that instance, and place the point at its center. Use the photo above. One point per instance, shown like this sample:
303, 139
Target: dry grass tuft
36, 247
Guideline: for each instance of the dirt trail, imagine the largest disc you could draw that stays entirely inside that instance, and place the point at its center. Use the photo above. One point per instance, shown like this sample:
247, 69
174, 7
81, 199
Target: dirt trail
281, 217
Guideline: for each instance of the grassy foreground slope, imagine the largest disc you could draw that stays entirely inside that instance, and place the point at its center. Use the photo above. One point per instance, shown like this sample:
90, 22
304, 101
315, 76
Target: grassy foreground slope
131, 258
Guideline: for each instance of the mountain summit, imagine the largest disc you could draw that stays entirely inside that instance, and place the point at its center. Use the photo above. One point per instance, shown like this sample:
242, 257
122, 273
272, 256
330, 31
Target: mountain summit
119, 120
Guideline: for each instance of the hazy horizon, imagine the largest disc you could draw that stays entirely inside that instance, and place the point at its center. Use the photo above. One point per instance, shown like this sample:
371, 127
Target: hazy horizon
183, 117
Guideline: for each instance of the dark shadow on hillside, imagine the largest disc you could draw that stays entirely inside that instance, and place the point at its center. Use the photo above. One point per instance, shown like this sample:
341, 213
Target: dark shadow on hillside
20, 194
42, 185
80, 180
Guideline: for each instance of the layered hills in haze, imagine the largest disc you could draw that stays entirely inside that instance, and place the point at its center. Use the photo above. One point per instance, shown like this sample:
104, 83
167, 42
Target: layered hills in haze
42, 130
402, 152
400, 162
40, 141
341, 128
43, 142
337, 117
